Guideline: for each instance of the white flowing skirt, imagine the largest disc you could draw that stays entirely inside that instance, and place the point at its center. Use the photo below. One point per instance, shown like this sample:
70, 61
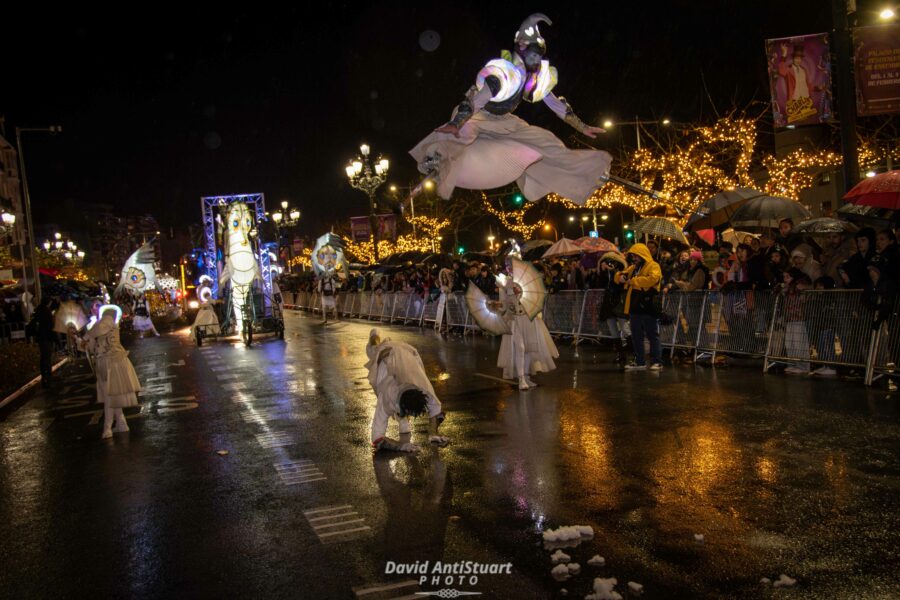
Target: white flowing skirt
493, 151
142, 323
206, 316
117, 382
539, 347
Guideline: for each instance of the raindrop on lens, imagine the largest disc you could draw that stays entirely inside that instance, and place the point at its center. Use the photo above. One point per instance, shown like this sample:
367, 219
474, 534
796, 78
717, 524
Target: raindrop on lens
429, 40
212, 140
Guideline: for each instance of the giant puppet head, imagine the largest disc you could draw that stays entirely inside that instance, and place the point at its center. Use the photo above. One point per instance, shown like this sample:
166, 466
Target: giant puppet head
238, 224
138, 274
328, 256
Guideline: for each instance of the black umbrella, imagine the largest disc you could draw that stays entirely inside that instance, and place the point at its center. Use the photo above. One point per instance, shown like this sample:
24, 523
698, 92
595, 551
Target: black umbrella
766, 212
718, 210
441, 261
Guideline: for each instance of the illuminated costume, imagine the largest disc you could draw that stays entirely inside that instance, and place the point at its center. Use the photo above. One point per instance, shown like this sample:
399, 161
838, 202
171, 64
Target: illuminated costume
528, 348
206, 317
397, 376
485, 146
328, 261
117, 382
138, 275
241, 266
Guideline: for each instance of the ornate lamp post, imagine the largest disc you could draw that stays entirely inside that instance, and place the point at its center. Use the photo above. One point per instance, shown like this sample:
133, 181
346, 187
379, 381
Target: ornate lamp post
368, 177
287, 218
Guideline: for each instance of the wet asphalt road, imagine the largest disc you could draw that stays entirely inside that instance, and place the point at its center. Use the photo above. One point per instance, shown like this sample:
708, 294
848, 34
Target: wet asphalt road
778, 474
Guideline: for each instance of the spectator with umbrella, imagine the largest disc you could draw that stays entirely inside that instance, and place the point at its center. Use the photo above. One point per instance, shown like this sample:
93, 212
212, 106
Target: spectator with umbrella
802, 258
696, 276
854, 272
888, 256
612, 308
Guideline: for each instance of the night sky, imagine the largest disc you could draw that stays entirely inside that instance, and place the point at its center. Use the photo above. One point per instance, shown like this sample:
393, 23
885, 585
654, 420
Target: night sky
163, 105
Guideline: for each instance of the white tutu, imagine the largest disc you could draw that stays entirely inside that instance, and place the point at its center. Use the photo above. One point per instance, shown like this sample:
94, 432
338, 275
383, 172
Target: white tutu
539, 347
495, 150
117, 381
142, 323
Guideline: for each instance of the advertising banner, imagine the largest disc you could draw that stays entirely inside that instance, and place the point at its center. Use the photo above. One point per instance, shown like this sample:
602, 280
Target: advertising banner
876, 52
800, 79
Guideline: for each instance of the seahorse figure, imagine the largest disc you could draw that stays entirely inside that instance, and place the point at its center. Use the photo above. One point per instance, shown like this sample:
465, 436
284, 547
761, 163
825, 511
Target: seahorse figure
241, 267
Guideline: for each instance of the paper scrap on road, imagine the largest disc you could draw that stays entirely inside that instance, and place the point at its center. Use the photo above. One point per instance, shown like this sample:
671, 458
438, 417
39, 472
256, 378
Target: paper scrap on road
560, 557
597, 561
222, 452
785, 581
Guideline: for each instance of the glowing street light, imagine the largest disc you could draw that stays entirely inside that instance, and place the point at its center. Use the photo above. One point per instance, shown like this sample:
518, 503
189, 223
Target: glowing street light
367, 176
871, 174
887, 14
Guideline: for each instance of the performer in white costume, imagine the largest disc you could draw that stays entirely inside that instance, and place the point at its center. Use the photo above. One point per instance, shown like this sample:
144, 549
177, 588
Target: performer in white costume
528, 348
117, 383
143, 320
328, 262
403, 391
206, 317
485, 146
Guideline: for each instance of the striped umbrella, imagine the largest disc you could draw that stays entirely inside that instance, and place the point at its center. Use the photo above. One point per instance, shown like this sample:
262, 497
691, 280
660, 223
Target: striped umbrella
564, 247
659, 226
595, 244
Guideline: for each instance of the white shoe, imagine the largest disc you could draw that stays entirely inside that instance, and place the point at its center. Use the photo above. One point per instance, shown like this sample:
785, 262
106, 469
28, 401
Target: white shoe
523, 385
123, 428
824, 372
635, 367
530, 382
107, 433
656, 367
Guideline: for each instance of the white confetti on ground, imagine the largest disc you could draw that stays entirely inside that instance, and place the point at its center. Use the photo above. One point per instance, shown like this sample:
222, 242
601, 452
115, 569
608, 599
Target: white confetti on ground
559, 557
222, 452
784, 581
699, 537
560, 572
765, 581
635, 587
574, 569
597, 561
572, 532
603, 590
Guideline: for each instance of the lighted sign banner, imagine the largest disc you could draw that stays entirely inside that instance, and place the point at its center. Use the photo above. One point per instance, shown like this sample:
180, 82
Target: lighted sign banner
361, 232
876, 52
800, 79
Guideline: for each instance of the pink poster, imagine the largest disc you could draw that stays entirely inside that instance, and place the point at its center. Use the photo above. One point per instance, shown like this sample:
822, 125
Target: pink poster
800, 79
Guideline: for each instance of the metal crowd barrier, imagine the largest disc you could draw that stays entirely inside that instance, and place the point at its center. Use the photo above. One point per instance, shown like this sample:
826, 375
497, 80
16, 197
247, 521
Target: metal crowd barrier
812, 329
827, 327
564, 312
12, 332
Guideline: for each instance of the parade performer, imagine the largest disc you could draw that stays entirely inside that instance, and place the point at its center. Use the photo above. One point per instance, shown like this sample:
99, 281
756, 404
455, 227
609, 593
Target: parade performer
485, 146
403, 391
241, 266
528, 348
328, 262
117, 382
206, 318
143, 321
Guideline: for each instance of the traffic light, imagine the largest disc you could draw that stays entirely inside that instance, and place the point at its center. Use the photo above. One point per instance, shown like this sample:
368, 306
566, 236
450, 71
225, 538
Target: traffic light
460, 250
629, 235
518, 199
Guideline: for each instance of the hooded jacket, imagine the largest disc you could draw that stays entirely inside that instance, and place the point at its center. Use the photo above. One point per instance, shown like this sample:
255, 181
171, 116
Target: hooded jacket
645, 279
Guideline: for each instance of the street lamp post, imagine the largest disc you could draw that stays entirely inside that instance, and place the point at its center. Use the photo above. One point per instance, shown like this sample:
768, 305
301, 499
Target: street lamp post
54, 129
548, 227
368, 177
287, 218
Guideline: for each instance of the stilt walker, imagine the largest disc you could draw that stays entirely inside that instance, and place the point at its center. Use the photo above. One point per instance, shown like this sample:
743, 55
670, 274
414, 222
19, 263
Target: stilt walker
485, 146
329, 264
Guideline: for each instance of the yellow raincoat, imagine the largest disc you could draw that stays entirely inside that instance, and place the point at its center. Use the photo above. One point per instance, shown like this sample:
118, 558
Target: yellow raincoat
648, 277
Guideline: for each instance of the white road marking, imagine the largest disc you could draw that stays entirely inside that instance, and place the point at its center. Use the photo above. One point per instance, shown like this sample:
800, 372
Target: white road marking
506, 381
275, 439
341, 521
233, 387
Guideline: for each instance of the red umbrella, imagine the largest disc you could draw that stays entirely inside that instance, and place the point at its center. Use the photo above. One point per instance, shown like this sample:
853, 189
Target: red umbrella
707, 235
882, 191
595, 244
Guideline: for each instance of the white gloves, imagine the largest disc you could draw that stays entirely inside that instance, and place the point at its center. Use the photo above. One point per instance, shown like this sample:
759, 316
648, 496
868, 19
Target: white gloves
439, 440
